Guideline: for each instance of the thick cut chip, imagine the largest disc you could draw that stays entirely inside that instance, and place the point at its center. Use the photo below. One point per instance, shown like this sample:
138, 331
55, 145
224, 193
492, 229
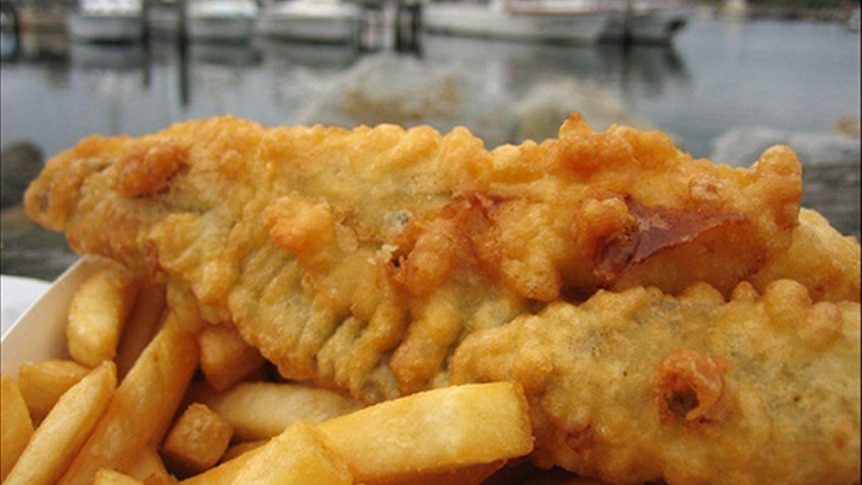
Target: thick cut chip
59, 437
150, 468
241, 448
141, 327
467, 475
299, 455
260, 410
433, 431
97, 314
460, 432
106, 476
142, 407
42, 383
225, 357
15, 423
197, 440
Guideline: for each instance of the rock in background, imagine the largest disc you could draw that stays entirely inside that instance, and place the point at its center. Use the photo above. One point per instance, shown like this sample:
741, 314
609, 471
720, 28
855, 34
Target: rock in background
26, 249
20, 162
391, 88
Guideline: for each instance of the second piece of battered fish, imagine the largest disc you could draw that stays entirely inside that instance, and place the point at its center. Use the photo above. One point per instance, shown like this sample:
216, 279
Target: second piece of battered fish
638, 385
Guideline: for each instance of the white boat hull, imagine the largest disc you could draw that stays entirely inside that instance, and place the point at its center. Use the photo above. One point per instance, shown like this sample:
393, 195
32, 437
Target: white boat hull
105, 27
220, 29
483, 21
230, 21
314, 23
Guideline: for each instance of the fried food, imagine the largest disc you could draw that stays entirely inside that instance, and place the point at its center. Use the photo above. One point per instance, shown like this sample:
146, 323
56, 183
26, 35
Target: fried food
360, 258
141, 409
364, 259
17, 427
821, 258
638, 385
58, 438
197, 440
42, 383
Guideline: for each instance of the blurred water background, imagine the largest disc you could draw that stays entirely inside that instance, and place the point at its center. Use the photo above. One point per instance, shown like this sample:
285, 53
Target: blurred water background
724, 89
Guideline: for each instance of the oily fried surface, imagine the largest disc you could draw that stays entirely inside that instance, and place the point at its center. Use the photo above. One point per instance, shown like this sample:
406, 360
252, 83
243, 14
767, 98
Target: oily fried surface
359, 258
639, 385
362, 259
821, 258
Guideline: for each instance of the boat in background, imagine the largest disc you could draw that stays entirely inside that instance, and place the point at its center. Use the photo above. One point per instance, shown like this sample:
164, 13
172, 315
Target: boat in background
107, 21
647, 21
319, 21
559, 21
230, 21
163, 18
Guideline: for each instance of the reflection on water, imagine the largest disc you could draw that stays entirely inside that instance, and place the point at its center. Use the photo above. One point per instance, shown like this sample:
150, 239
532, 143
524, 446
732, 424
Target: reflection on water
490, 86
138, 88
715, 76
107, 57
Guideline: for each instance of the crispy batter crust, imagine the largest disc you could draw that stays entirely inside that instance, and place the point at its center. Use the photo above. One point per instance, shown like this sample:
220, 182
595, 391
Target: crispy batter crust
360, 259
638, 385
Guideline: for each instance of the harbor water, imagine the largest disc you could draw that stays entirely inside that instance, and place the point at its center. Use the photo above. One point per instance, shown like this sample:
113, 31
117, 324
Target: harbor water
791, 80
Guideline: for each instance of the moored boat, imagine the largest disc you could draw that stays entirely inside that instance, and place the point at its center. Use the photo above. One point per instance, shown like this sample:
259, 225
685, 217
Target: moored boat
106, 21
221, 20
323, 21
563, 21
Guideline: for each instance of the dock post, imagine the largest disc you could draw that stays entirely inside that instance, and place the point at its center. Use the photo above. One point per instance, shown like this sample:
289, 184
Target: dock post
628, 21
408, 23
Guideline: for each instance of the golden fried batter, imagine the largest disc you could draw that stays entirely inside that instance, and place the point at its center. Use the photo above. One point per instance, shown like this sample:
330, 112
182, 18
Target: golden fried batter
819, 257
638, 385
361, 259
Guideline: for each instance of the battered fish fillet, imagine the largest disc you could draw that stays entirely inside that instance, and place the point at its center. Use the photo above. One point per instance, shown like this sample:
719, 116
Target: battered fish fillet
364, 259
638, 385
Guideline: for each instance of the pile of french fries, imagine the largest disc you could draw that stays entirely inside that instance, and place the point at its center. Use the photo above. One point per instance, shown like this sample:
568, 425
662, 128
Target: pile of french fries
146, 398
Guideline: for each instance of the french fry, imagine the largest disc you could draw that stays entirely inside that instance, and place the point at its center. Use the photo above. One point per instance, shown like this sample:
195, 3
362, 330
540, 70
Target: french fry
150, 468
225, 357
106, 476
97, 313
433, 431
197, 440
294, 456
42, 383
141, 327
455, 433
260, 410
142, 407
299, 455
15, 424
240, 448
55, 442
225, 472
467, 475
160, 480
